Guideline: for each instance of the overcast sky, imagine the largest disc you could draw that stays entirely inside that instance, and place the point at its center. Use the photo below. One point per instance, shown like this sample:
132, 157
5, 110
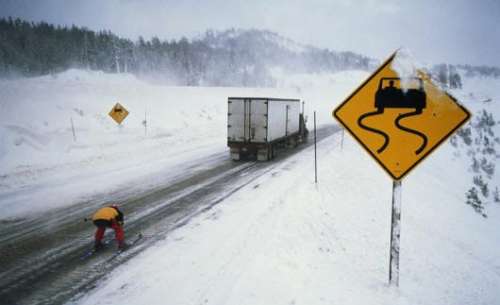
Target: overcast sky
453, 31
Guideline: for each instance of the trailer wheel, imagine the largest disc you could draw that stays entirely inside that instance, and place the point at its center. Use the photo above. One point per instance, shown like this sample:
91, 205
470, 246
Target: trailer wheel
235, 156
235, 153
263, 154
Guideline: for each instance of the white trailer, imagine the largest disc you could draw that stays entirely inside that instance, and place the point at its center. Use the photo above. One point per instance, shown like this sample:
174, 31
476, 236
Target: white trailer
257, 125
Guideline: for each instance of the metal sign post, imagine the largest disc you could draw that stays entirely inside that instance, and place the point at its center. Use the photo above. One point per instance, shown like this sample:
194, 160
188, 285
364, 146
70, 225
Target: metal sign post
395, 233
342, 140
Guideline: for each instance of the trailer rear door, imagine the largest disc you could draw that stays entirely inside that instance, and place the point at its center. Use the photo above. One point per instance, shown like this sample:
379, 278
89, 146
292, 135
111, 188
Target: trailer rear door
237, 125
258, 120
247, 120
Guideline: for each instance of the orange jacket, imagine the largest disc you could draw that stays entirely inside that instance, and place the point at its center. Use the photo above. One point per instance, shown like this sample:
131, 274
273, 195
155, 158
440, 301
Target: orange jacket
109, 214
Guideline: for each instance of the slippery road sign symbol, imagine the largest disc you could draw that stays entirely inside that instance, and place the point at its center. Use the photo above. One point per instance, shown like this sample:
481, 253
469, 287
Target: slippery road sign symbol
393, 97
118, 113
400, 121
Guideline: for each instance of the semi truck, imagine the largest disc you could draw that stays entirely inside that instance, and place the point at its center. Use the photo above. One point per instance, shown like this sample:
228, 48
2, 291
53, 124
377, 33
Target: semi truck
257, 126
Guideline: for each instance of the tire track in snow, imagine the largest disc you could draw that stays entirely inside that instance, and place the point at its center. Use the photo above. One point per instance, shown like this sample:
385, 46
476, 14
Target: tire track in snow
41, 264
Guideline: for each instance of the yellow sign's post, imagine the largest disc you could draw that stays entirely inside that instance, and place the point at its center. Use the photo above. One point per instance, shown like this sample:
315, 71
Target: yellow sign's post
399, 122
118, 113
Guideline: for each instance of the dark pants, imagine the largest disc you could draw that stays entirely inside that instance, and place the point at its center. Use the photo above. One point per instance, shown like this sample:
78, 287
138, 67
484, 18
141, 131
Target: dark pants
102, 224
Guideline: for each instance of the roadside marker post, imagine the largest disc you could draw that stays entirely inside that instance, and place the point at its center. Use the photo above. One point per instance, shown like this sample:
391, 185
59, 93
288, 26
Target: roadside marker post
399, 122
315, 154
145, 123
73, 129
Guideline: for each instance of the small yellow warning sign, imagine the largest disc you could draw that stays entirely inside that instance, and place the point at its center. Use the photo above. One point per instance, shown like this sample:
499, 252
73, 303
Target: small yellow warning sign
400, 121
118, 113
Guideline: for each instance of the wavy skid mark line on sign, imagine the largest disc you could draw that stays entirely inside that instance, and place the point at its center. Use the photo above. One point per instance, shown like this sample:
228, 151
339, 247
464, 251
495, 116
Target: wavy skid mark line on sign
412, 131
377, 131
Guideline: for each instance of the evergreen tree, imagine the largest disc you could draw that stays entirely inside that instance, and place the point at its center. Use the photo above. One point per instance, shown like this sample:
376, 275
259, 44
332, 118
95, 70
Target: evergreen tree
226, 58
496, 195
482, 185
474, 201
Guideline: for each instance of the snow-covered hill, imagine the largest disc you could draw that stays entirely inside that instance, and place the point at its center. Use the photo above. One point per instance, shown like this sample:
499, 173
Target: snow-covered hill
280, 240
40, 157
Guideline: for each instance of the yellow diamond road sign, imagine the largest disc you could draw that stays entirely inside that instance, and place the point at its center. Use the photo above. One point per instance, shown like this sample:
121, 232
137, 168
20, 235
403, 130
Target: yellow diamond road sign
400, 121
118, 113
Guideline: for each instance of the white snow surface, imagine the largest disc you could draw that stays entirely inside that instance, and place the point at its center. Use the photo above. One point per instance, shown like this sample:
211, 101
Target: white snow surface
280, 240
42, 166
406, 67
285, 240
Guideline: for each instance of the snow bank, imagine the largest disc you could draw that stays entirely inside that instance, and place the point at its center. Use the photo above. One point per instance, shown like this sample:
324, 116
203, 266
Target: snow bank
284, 240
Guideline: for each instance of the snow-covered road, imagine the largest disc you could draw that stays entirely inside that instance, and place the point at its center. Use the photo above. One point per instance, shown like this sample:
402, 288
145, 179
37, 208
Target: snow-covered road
282, 239
40, 258
279, 239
